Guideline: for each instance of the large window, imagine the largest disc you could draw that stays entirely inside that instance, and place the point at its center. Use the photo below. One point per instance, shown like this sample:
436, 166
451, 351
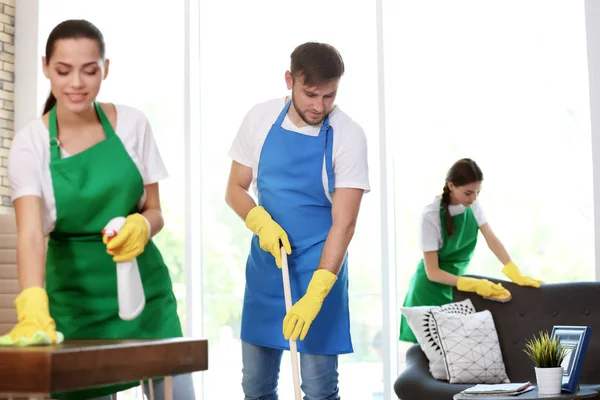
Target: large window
499, 83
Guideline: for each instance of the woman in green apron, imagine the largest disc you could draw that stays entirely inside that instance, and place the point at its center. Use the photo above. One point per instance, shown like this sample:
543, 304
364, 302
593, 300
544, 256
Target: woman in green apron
72, 171
449, 229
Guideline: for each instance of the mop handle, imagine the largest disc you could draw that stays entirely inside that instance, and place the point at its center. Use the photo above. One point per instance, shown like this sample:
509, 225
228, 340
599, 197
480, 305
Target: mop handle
288, 305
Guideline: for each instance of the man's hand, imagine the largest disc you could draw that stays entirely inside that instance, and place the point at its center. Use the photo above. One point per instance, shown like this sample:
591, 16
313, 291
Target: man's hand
269, 232
297, 322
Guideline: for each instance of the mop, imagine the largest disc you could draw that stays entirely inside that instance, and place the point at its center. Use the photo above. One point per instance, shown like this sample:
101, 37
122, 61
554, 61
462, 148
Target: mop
288, 305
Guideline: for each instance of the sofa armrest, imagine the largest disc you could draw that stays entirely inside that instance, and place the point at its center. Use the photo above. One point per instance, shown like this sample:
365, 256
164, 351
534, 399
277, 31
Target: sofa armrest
416, 382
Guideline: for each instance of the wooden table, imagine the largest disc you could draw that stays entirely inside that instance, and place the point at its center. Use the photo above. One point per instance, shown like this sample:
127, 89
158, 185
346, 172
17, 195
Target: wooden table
35, 372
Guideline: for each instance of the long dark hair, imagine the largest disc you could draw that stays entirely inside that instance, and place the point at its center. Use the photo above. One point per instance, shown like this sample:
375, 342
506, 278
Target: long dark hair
71, 29
463, 172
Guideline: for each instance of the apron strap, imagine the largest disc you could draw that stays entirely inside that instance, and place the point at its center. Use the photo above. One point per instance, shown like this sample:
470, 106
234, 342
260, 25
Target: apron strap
108, 129
283, 113
53, 129
328, 144
329, 155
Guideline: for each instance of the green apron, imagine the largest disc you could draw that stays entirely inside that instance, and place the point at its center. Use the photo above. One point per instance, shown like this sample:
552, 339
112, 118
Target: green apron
91, 188
453, 257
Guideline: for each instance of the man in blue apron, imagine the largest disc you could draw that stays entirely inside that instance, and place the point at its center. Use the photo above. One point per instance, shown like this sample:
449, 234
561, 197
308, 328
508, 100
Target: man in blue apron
307, 163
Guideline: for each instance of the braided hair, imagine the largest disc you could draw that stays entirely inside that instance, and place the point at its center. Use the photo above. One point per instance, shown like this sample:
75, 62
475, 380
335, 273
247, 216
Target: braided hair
463, 172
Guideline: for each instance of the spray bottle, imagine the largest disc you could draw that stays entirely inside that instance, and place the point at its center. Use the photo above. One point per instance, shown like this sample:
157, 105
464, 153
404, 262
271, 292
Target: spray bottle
129, 282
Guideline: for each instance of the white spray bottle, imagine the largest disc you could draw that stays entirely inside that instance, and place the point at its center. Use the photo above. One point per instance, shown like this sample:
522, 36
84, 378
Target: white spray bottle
129, 282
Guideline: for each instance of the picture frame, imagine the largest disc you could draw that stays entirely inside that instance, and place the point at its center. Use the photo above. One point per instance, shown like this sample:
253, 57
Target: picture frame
576, 339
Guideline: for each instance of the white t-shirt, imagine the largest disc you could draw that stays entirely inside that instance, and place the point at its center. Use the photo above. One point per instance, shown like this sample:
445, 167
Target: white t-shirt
431, 225
29, 158
350, 166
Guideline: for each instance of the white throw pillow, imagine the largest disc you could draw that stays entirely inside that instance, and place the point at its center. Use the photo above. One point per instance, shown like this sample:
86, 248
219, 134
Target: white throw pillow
423, 326
471, 350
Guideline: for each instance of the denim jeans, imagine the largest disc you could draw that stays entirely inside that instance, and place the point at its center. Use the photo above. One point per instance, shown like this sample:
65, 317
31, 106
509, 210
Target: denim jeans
183, 389
260, 374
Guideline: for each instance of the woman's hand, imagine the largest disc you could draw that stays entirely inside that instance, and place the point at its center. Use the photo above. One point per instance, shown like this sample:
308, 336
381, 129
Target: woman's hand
131, 239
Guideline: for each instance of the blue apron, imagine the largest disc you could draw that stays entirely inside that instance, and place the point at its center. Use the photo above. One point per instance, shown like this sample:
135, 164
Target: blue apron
290, 188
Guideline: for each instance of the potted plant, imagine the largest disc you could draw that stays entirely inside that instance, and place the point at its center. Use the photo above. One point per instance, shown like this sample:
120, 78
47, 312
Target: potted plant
547, 355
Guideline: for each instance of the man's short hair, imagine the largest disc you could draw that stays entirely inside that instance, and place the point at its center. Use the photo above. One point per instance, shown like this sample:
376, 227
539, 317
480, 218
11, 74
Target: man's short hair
317, 63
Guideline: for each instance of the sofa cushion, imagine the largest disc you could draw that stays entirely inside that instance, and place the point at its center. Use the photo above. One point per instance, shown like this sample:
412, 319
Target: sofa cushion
416, 383
470, 346
421, 322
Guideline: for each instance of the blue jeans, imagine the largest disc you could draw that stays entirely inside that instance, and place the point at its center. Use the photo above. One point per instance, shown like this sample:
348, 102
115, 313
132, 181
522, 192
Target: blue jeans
183, 389
260, 374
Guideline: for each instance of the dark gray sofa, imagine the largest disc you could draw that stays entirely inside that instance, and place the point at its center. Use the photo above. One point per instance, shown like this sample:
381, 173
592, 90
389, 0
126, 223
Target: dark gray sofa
529, 311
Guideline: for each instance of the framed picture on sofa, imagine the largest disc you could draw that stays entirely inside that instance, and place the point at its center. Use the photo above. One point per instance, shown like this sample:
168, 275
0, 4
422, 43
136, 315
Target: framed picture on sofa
576, 339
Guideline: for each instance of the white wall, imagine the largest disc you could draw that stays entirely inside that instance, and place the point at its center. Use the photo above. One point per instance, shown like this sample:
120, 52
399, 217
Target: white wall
26, 61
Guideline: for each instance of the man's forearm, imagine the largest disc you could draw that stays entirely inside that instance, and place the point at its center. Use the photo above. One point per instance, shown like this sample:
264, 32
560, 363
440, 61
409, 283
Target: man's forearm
239, 200
335, 248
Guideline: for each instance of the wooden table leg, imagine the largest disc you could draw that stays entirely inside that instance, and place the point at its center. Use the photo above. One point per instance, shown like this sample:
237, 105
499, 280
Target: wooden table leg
168, 388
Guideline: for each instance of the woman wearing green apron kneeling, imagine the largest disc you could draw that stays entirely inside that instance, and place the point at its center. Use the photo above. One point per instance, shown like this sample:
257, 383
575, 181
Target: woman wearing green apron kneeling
449, 229
71, 171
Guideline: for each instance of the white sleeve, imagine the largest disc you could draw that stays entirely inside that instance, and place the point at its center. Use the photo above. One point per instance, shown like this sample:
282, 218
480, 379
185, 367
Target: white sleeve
242, 148
350, 160
154, 166
429, 235
478, 213
24, 168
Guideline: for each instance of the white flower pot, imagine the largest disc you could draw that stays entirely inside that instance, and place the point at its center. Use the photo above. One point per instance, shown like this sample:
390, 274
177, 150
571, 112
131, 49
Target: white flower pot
549, 380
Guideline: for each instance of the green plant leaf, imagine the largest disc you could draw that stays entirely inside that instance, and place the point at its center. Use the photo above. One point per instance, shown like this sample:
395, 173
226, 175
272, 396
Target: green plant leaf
544, 351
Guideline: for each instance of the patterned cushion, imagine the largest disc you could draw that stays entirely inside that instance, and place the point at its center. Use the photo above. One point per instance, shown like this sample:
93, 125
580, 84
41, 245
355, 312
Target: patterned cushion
470, 345
423, 326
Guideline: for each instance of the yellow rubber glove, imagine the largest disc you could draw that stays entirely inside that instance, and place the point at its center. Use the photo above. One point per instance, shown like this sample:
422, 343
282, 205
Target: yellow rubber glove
131, 239
513, 273
482, 287
298, 320
35, 326
269, 233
